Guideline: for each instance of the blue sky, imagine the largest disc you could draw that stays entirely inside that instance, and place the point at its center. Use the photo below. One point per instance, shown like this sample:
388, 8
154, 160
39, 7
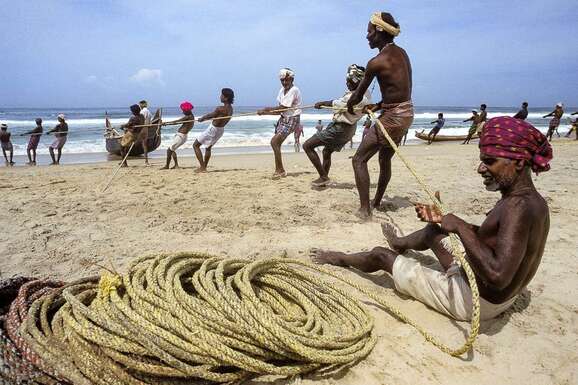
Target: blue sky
113, 53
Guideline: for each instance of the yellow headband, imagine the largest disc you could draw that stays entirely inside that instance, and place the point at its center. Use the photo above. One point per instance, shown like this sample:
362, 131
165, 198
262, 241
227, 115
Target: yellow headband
382, 25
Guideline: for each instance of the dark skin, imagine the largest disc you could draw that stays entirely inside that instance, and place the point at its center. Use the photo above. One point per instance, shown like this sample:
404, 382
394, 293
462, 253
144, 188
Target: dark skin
5, 137
279, 138
32, 152
189, 122
558, 113
433, 133
129, 127
312, 143
475, 119
392, 69
504, 252
225, 110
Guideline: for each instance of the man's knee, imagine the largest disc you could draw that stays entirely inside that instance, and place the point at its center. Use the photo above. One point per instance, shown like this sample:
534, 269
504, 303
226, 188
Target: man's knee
327, 152
307, 146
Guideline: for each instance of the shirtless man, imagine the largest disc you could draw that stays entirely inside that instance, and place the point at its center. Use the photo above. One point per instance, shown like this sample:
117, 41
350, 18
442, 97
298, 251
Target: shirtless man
144, 133
392, 68
475, 119
132, 132
188, 121
60, 135
33, 141
504, 252
215, 130
6, 144
523, 112
555, 122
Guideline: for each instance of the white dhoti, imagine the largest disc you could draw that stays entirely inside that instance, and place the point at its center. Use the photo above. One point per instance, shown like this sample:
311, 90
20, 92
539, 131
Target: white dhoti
448, 292
211, 135
178, 140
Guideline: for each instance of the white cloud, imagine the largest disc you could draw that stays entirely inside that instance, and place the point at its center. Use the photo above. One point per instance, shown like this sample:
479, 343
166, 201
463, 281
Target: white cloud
148, 77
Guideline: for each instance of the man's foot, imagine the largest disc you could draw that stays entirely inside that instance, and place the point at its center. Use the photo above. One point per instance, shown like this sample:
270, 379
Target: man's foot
164, 168
390, 235
175, 166
278, 175
12, 163
124, 165
323, 257
321, 181
147, 164
363, 214
53, 164
200, 170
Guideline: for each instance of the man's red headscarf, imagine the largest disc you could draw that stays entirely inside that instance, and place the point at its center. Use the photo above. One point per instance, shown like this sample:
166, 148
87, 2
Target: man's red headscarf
186, 106
506, 137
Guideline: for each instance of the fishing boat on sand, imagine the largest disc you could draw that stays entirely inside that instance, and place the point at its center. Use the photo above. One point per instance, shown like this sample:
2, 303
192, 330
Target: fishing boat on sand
113, 136
443, 138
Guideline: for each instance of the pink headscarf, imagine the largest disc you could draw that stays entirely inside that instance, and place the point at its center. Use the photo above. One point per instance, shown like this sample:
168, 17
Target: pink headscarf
186, 106
506, 137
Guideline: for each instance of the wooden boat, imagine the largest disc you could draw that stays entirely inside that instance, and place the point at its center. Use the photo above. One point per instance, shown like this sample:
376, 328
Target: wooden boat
113, 137
443, 138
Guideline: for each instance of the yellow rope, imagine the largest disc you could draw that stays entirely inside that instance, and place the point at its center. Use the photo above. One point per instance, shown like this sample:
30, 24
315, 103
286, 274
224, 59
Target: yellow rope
456, 251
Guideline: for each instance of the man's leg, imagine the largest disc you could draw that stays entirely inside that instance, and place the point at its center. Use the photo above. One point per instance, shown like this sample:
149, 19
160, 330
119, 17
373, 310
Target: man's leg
11, 156
276, 143
34, 155
59, 155
364, 153
28, 152
385, 155
379, 258
327, 160
176, 165
428, 238
51, 150
199, 155
123, 153
169, 157
146, 150
309, 147
207, 156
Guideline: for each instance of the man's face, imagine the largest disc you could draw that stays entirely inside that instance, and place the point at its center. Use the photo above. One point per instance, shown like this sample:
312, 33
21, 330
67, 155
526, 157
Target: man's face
498, 173
287, 82
223, 98
372, 36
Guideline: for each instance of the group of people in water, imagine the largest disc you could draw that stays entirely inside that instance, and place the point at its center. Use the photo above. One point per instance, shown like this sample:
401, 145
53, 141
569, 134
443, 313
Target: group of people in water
504, 251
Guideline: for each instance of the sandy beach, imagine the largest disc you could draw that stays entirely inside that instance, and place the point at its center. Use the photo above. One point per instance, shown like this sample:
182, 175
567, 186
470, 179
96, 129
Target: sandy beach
57, 223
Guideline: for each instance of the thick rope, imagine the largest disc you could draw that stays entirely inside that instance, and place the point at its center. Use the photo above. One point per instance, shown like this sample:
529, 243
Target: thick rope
456, 251
191, 316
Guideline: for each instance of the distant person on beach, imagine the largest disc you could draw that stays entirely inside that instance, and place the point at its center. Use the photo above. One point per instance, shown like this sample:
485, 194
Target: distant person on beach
504, 252
340, 130
180, 138
144, 133
523, 113
131, 132
288, 99
221, 116
555, 122
439, 123
483, 117
392, 68
60, 135
35, 135
573, 127
366, 127
6, 144
297, 134
475, 119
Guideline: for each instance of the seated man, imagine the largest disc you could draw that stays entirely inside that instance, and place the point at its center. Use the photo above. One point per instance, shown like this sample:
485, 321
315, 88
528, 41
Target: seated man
340, 130
504, 252
132, 132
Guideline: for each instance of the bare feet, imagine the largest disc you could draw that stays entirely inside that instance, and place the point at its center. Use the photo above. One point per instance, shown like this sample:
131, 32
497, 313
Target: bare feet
164, 168
175, 166
390, 235
200, 170
53, 164
323, 257
322, 181
363, 214
279, 175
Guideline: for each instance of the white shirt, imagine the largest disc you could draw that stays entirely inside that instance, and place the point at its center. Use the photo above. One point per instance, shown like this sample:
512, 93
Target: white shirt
346, 117
147, 115
290, 99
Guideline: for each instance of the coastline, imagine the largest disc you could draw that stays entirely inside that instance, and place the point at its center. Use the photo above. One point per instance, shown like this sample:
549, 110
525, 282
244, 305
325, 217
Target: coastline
58, 224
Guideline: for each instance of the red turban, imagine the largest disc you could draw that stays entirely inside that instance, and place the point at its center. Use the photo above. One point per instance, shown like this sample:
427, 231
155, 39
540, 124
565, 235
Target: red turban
506, 137
186, 106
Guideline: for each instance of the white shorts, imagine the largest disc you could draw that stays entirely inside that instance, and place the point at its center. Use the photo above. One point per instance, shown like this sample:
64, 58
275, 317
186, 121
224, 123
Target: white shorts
178, 141
211, 135
448, 292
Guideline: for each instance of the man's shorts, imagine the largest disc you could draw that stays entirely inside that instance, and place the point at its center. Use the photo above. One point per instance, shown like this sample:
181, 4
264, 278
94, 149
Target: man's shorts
128, 138
336, 135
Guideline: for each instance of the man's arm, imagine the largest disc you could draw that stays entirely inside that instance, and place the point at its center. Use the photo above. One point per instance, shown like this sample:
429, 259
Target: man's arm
470, 119
327, 103
219, 112
550, 114
574, 113
496, 267
357, 96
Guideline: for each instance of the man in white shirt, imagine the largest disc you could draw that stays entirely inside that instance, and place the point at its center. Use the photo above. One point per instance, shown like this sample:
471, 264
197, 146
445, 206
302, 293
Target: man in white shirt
144, 133
342, 128
289, 101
